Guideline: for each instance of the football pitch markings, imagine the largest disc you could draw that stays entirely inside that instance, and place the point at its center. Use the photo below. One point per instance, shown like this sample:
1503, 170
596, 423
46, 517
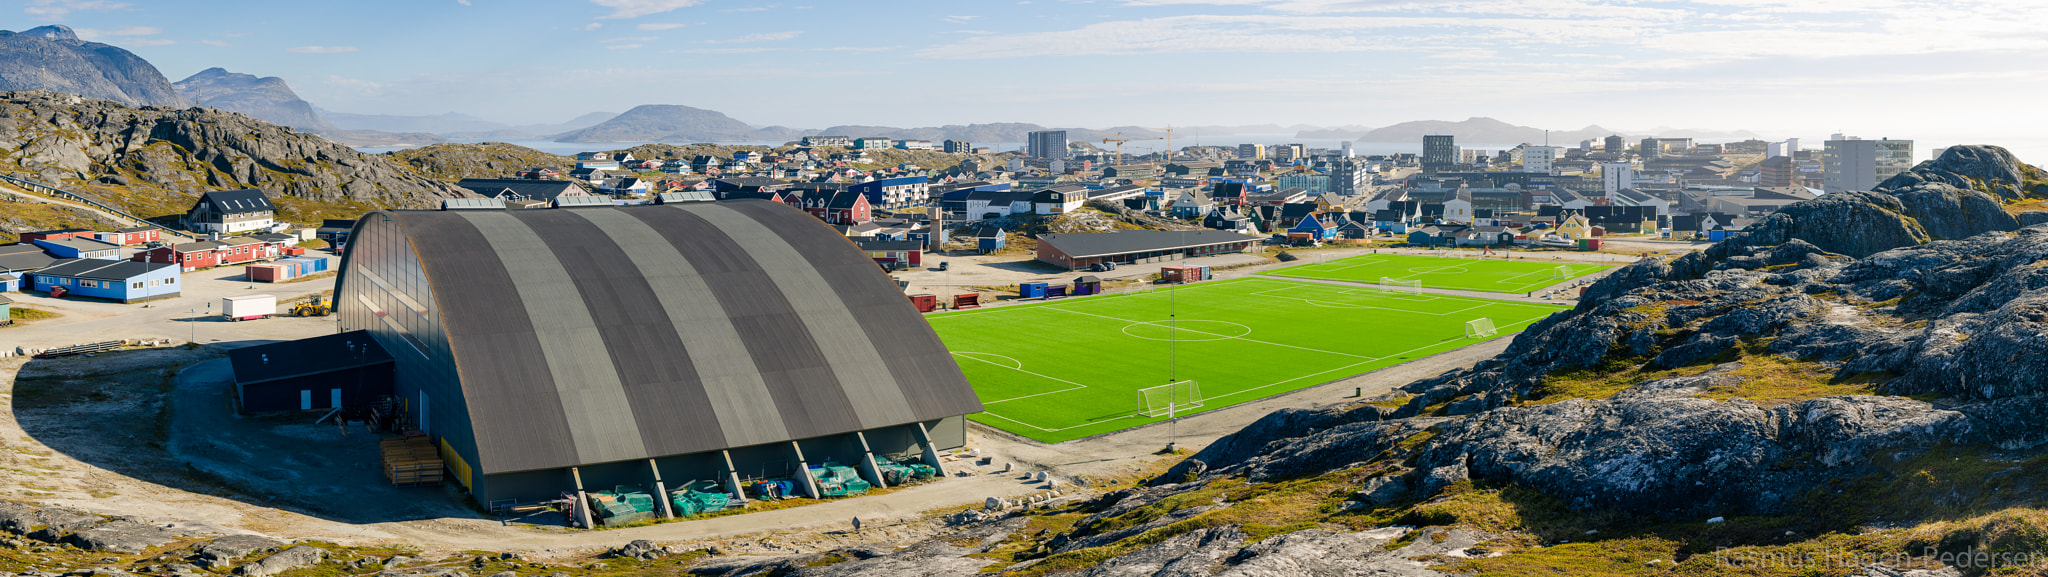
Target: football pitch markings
1071, 368
1459, 273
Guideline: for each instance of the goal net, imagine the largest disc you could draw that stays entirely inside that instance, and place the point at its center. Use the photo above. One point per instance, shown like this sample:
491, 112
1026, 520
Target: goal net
1479, 328
1168, 399
1561, 271
1400, 285
1139, 288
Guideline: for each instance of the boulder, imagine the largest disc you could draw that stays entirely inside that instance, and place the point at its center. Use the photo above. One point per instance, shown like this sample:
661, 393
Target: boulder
640, 549
123, 537
288, 559
223, 551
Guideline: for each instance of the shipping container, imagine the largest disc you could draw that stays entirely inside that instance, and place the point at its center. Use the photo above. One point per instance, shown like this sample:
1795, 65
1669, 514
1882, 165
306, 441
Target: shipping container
266, 273
925, 303
248, 307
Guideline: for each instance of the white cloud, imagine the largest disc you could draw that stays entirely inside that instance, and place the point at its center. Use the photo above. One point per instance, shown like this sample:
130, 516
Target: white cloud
589, 27
97, 34
58, 9
750, 9
222, 43
322, 49
626, 39
763, 37
660, 26
462, 2
727, 50
622, 46
626, 9
959, 19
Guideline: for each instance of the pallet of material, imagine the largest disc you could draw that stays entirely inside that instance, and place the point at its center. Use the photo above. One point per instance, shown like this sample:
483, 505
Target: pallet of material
411, 461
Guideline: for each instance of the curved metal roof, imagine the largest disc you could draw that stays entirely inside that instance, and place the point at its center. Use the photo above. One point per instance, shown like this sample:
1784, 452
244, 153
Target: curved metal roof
606, 334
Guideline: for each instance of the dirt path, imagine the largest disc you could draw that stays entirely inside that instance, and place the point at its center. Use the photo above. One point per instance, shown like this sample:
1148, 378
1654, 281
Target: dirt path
111, 217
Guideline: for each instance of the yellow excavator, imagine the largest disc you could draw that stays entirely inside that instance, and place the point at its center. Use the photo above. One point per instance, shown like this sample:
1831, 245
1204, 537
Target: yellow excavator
313, 307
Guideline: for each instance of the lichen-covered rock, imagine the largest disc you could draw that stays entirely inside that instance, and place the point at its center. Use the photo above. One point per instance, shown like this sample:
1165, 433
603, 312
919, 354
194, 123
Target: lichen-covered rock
1991, 169
286, 560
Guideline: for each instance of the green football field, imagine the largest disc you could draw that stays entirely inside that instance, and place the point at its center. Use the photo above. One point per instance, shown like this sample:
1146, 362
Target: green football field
1462, 273
1066, 369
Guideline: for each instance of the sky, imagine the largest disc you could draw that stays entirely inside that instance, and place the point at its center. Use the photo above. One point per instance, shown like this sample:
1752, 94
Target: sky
1941, 71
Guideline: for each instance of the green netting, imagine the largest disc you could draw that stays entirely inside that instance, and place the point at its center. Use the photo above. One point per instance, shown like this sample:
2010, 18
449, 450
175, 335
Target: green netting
836, 481
699, 497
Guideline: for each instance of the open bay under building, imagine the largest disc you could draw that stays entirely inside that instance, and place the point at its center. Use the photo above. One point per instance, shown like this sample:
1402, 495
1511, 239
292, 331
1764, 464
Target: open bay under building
693, 341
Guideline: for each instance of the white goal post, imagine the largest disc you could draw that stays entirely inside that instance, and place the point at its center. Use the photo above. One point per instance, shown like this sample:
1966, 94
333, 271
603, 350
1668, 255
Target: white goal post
1561, 271
1480, 328
1400, 285
1168, 399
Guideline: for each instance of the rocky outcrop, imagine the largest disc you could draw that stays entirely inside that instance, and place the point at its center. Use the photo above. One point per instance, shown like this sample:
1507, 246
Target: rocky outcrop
1989, 169
286, 560
157, 159
54, 58
268, 99
453, 162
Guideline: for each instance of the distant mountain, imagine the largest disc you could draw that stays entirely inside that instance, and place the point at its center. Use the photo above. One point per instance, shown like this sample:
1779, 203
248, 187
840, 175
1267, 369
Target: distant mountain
53, 58
268, 99
1482, 130
995, 132
675, 123
535, 130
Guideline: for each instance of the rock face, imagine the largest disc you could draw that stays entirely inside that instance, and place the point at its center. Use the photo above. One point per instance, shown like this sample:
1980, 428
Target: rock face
162, 158
673, 123
452, 162
1661, 446
53, 58
268, 99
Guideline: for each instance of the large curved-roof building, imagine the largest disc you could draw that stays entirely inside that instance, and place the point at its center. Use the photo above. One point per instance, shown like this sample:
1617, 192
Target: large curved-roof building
717, 341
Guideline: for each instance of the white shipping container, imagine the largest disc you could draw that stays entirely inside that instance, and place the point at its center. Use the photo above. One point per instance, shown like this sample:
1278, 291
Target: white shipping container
248, 307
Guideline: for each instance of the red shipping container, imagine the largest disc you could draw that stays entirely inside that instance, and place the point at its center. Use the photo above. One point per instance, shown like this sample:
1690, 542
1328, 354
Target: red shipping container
925, 303
265, 273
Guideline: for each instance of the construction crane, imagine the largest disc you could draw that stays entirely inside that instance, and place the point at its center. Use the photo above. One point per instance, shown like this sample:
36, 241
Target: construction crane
1120, 140
1169, 140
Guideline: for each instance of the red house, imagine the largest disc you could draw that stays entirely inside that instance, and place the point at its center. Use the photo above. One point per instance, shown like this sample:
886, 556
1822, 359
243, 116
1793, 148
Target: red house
193, 256
55, 234
834, 206
128, 236
893, 254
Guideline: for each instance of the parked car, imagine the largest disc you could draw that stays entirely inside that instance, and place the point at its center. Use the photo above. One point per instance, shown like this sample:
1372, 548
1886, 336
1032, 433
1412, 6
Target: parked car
1103, 267
944, 264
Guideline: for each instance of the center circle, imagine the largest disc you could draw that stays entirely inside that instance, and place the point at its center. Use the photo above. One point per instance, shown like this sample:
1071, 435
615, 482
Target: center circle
1187, 330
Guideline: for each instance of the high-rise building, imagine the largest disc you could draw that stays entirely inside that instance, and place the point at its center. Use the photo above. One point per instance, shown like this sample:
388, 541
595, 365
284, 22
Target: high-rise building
1615, 176
1251, 151
1350, 177
959, 147
1347, 149
1856, 164
1439, 150
1048, 144
1615, 145
1537, 159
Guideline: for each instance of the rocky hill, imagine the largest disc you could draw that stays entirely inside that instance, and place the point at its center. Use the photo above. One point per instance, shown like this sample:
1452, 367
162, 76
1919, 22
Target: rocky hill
1858, 374
674, 123
268, 99
452, 162
155, 161
53, 58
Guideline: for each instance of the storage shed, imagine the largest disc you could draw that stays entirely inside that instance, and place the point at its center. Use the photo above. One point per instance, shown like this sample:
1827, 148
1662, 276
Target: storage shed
717, 341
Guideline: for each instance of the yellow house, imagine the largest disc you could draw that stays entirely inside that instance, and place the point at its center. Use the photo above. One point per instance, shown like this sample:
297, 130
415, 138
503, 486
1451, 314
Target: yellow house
1575, 227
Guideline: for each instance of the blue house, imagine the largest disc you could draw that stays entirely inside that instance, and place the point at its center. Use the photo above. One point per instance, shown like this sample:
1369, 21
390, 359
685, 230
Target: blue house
1313, 225
118, 280
79, 247
9, 283
990, 238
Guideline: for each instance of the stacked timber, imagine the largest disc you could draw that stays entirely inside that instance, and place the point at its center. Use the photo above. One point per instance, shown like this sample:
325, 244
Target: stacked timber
411, 460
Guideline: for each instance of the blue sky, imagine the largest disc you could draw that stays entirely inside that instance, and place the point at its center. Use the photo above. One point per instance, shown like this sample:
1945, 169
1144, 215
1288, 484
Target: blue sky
1898, 68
